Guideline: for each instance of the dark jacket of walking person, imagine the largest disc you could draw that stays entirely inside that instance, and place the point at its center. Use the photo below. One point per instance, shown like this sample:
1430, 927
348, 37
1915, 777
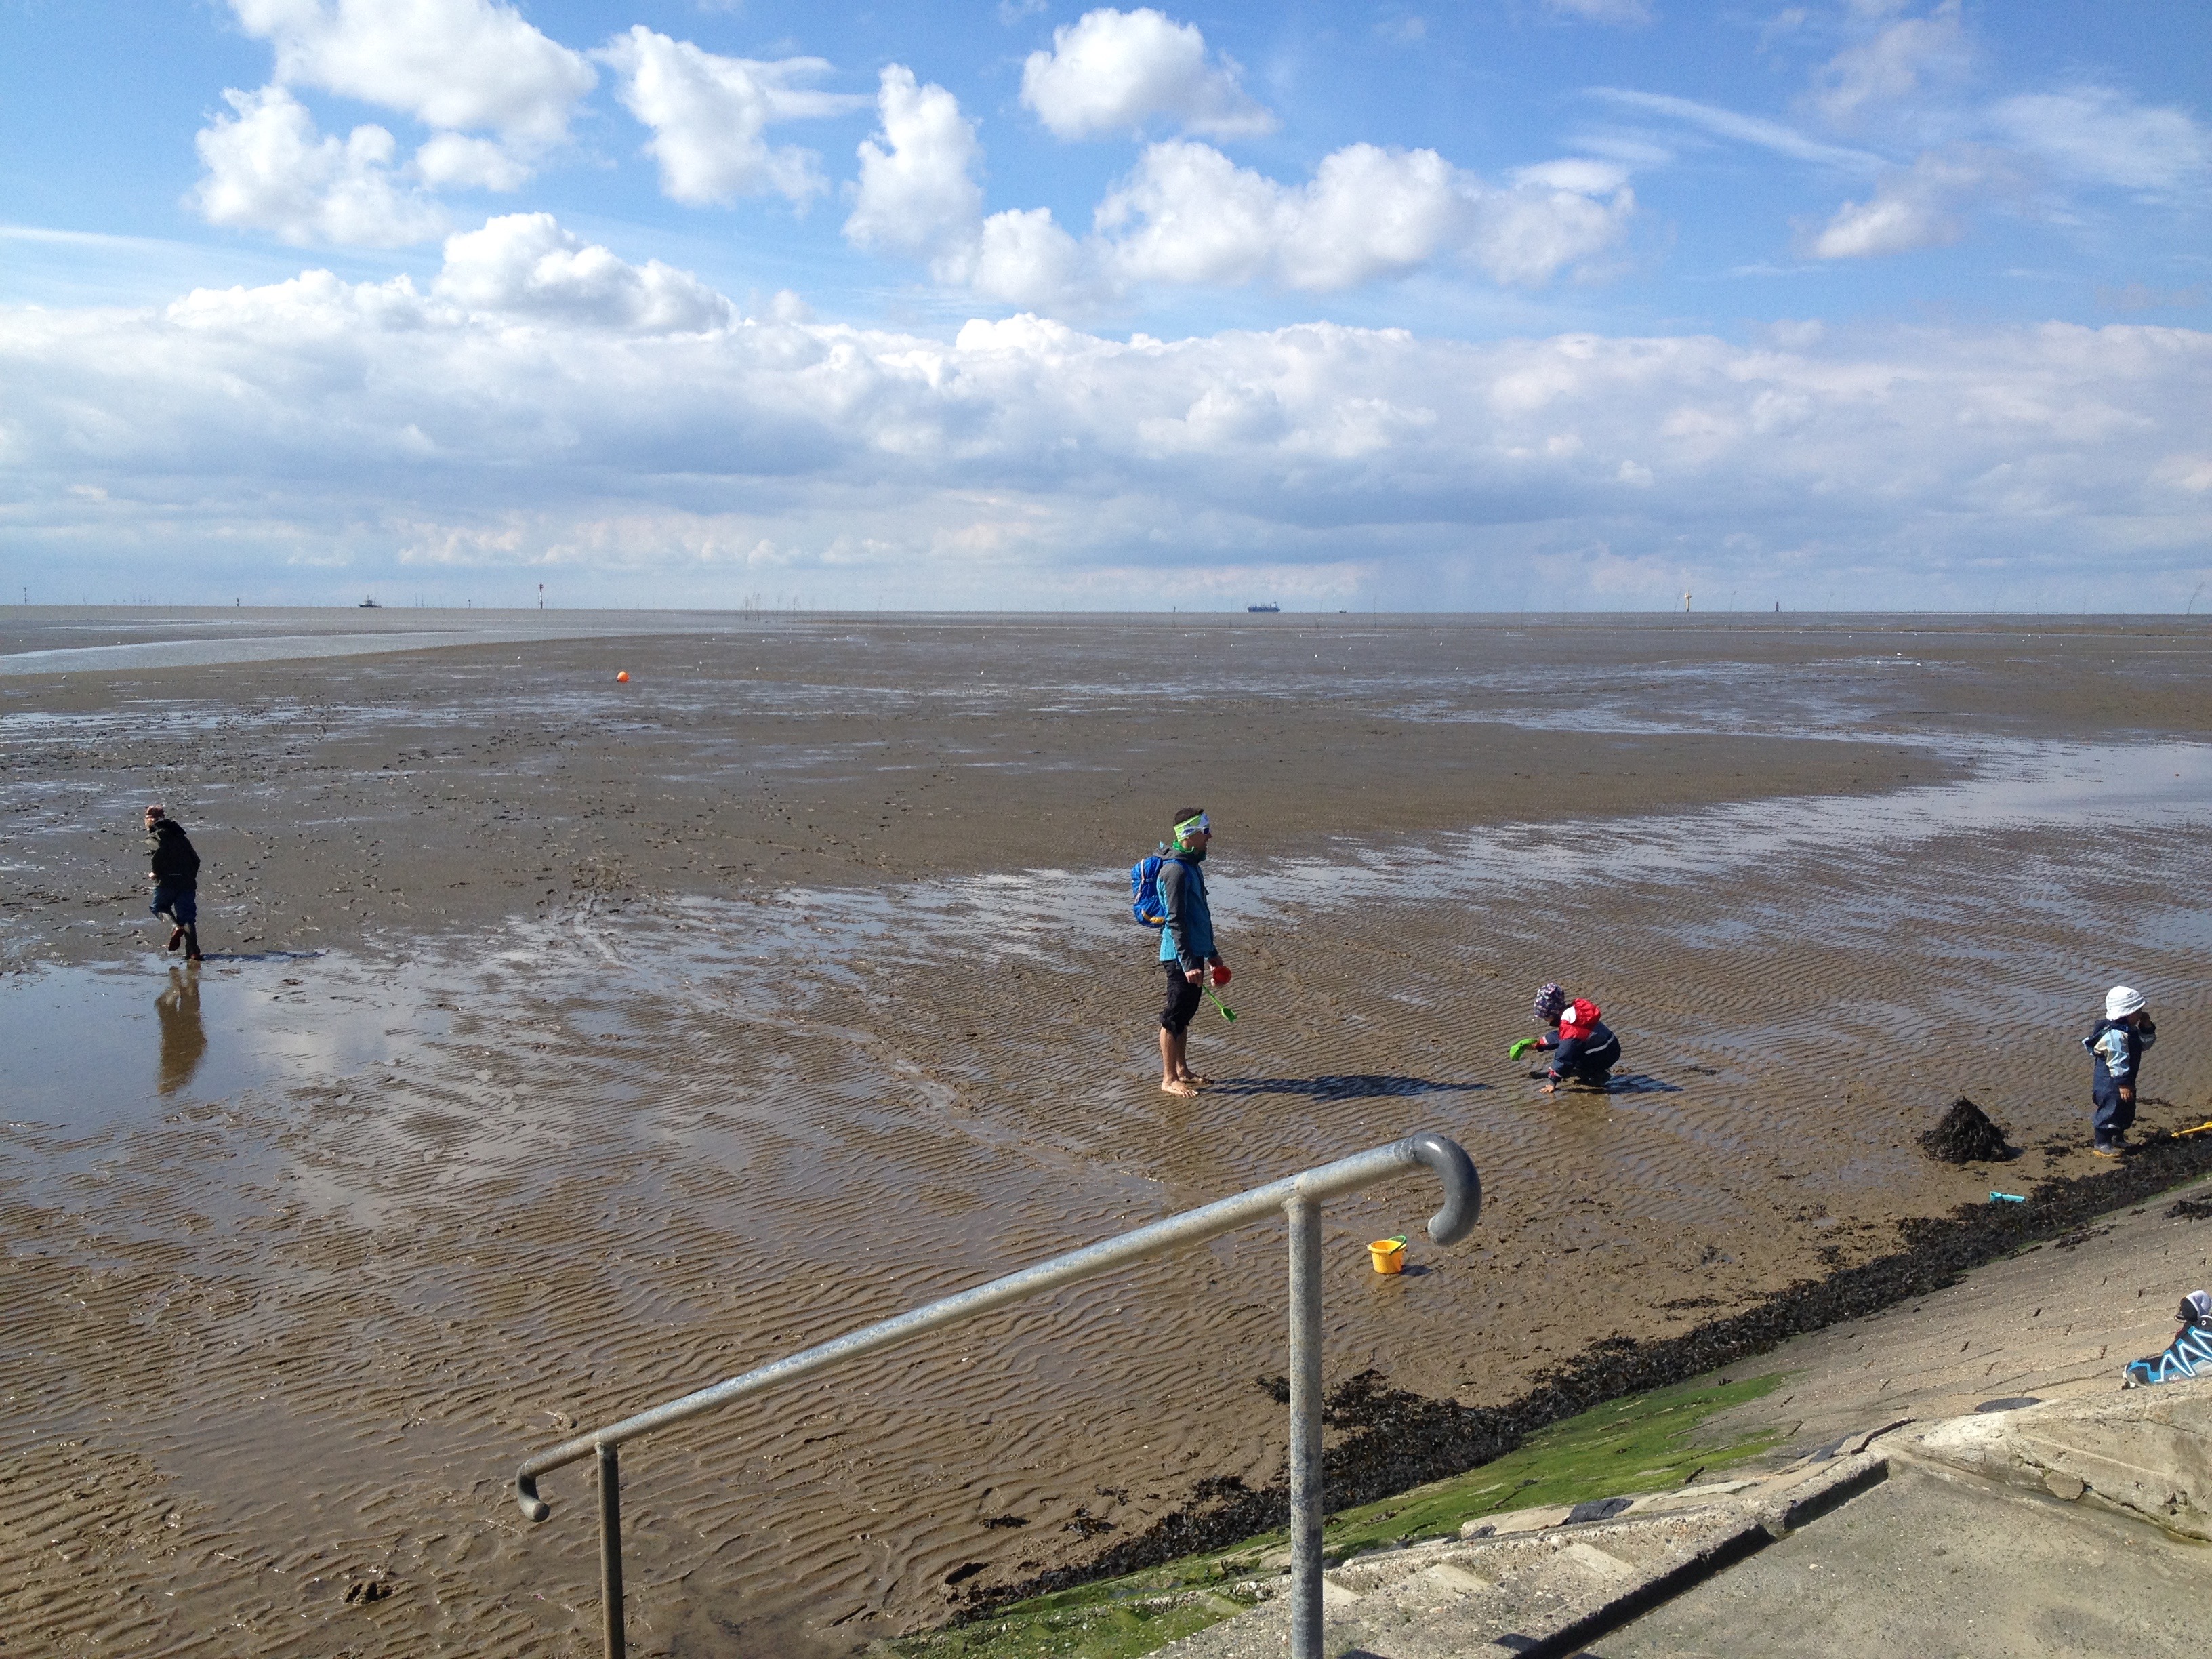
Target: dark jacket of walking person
174, 871
2116, 1045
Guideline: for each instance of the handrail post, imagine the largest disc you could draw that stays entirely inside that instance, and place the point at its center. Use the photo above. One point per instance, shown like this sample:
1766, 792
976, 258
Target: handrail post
1304, 1214
610, 1577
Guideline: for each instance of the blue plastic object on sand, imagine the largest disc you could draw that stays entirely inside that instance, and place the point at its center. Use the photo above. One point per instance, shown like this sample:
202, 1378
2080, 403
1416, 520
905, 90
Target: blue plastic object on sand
2007, 1198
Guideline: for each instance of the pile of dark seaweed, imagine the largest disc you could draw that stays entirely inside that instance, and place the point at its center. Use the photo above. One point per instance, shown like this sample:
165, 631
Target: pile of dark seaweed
1393, 1440
1966, 1135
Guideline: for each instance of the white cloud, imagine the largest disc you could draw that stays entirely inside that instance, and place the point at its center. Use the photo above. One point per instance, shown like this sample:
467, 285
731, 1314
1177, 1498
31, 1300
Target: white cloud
1188, 214
708, 113
1887, 222
1892, 67
526, 264
2096, 135
368, 419
1553, 218
1024, 257
1741, 129
1602, 11
916, 194
1113, 72
267, 167
1916, 207
456, 158
462, 65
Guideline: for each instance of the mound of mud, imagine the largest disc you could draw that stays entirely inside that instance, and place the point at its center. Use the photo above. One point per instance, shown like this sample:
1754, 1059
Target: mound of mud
1391, 1440
1966, 1135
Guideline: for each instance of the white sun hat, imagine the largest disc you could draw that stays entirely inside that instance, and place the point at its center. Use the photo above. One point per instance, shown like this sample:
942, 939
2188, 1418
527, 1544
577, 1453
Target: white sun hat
2122, 1001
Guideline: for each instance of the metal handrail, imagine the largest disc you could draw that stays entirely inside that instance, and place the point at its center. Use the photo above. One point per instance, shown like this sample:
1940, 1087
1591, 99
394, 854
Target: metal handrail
1300, 1196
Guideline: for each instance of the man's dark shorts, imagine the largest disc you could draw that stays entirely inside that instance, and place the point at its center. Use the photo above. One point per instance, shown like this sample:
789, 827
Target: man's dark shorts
178, 904
1182, 1003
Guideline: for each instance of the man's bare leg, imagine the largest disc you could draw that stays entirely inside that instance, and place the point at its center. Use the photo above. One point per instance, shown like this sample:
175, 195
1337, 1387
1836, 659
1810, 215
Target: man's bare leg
1174, 1075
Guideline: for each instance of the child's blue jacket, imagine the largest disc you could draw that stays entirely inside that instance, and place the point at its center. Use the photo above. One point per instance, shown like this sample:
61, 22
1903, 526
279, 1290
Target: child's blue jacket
2117, 1047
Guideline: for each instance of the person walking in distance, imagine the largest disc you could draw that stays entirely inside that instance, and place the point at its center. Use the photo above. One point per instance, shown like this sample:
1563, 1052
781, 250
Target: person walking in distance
1187, 954
175, 875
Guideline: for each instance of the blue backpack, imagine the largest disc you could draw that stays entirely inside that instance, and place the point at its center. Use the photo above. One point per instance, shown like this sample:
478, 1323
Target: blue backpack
1145, 890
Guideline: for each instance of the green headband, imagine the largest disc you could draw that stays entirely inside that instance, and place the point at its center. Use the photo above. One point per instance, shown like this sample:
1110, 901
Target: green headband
1189, 824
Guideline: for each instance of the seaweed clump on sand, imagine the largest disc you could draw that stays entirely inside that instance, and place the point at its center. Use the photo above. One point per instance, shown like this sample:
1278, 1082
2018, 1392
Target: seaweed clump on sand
1966, 1135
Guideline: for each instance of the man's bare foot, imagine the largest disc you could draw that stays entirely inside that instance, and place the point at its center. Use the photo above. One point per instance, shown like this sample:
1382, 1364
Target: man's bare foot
1176, 1086
1196, 1081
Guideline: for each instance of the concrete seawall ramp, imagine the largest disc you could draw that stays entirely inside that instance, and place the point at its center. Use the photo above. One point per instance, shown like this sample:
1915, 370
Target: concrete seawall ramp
2145, 1453
1961, 1476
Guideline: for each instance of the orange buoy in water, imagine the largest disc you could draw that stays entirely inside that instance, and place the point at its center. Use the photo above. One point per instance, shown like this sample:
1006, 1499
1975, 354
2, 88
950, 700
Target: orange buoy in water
622, 679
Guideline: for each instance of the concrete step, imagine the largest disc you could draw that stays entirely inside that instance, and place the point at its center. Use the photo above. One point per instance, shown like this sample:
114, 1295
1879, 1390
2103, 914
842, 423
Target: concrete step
1978, 1550
1544, 1582
1937, 1561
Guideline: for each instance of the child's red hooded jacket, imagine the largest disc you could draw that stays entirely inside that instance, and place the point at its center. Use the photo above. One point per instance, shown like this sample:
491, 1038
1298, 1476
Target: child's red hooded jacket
1576, 1019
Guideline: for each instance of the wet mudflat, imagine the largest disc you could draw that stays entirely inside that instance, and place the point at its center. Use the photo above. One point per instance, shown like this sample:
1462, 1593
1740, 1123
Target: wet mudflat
566, 1046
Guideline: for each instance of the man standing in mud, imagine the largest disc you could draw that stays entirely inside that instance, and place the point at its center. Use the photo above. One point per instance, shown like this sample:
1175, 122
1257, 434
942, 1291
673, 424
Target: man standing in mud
1186, 949
175, 875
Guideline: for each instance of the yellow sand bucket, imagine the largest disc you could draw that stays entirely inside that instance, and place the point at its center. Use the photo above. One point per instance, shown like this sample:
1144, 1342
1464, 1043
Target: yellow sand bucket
1388, 1256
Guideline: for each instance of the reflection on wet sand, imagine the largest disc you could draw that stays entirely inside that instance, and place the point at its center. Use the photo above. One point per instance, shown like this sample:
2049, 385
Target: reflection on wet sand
184, 1039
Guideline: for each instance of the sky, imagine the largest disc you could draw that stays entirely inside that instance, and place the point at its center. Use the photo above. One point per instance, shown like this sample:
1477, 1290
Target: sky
1539, 305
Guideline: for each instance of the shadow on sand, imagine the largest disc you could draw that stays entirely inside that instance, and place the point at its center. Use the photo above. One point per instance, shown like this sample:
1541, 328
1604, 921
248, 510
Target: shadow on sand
1636, 1083
1347, 1085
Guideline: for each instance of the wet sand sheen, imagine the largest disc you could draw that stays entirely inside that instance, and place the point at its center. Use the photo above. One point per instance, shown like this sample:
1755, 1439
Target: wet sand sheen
267, 1340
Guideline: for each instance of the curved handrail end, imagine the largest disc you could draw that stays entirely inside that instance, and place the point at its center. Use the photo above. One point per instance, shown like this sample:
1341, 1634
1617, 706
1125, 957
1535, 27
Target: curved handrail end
534, 1508
1462, 1187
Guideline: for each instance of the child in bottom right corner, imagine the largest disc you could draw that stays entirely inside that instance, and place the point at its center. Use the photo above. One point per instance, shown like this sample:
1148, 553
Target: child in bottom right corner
2116, 1045
2189, 1354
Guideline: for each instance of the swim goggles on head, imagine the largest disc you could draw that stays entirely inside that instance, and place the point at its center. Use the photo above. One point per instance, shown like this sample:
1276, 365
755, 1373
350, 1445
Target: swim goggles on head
1188, 825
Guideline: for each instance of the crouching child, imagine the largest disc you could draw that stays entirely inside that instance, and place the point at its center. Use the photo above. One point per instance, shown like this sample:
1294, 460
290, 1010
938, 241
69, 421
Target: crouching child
1583, 1049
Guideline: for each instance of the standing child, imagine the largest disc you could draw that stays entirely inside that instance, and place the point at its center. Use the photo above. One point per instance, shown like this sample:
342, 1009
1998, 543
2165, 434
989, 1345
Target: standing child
1582, 1049
2116, 1044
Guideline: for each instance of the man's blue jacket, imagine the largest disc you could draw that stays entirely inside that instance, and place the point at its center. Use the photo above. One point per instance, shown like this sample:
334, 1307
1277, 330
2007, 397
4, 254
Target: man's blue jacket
1187, 939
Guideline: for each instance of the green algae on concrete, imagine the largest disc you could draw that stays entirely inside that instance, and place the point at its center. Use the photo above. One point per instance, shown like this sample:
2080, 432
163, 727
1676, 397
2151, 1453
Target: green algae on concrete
1640, 1444
1643, 1443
